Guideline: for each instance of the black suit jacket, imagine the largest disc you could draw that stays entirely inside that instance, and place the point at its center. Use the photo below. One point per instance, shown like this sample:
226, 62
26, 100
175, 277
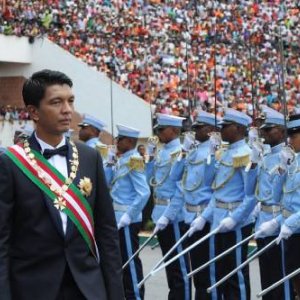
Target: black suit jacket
34, 251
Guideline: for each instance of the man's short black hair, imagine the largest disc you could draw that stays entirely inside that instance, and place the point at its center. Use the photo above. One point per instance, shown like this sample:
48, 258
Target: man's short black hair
34, 87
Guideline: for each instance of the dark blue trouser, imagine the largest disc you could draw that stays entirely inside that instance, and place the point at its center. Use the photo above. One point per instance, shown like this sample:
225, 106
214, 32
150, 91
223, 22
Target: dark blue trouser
199, 256
236, 287
133, 273
271, 265
179, 284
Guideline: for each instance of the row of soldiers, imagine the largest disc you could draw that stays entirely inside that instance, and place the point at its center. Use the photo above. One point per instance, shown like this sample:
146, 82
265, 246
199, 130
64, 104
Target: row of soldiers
227, 182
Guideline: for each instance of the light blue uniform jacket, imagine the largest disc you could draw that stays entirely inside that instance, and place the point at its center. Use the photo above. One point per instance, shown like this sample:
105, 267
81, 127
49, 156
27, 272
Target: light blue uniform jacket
269, 186
232, 185
159, 175
291, 198
194, 187
129, 188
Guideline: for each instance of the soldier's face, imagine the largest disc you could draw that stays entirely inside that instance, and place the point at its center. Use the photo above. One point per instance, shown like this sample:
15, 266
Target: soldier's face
123, 144
54, 114
202, 133
85, 133
165, 134
272, 135
228, 132
294, 140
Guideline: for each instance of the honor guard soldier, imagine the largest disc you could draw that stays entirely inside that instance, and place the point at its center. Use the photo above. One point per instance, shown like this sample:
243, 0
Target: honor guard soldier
232, 203
196, 195
130, 193
168, 212
90, 129
290, 216
268, 195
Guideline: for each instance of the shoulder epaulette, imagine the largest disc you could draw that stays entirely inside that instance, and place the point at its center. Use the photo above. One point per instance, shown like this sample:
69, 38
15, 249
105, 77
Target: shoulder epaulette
136, 163
241, 160
103, 150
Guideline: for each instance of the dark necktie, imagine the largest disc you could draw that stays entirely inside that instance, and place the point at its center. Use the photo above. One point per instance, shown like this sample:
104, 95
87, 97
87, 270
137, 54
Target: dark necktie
63, 151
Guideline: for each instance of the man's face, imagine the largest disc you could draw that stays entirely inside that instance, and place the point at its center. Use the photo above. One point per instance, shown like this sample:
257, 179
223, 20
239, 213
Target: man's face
272, 135
85, 133
142, 150
228, 132
202, 132
294, 140
123, 144
54, 114
165, 134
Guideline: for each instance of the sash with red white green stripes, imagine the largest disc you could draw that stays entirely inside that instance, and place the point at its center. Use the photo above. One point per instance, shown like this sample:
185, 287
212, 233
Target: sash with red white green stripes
76, 206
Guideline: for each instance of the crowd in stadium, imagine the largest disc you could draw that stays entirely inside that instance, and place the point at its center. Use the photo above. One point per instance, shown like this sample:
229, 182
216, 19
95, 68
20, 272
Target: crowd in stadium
176, 54
13, 113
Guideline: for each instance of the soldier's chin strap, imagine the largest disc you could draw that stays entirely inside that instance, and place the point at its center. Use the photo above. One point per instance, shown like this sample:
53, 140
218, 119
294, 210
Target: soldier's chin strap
245, 263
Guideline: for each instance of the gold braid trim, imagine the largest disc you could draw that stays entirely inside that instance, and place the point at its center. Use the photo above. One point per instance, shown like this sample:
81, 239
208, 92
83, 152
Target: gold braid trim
183, 183
217, 187
195, 162
155, 184
119, 177
174, 155
224, 163
134, 164
257, 194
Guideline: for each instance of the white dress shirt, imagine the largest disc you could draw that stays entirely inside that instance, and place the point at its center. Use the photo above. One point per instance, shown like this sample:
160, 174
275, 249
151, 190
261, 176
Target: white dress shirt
60, 163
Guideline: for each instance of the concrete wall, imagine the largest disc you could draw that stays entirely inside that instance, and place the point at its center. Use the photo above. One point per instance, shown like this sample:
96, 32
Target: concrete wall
15, 50
93, 90
10, 91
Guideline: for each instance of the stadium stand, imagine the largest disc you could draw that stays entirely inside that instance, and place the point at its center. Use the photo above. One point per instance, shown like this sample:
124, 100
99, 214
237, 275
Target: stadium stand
176, 55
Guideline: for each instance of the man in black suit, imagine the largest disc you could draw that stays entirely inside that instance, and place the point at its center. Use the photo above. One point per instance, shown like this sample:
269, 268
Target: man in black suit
48, 250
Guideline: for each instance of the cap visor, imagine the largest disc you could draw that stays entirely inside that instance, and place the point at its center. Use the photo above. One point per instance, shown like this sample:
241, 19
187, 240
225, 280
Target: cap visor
294, 130
224, 122
83, 125
268, 125
198, 124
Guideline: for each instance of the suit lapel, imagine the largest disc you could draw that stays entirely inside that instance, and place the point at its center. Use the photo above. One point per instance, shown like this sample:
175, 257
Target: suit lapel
54, 213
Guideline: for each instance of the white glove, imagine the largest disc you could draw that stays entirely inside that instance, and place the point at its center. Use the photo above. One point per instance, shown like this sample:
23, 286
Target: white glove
189, 141
256, 210
151, 149
287, 157
124, 221
161, 224
285, 233
111, 157
197, 225
256, 152
226, 224
252, 135
267, 228
215, 142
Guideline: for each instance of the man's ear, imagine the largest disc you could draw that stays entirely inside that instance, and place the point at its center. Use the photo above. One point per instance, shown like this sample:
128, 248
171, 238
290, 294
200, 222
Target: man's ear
33, 112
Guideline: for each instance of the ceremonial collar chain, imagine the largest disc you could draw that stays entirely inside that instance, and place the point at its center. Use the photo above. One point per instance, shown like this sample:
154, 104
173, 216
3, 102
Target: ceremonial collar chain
59, 203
